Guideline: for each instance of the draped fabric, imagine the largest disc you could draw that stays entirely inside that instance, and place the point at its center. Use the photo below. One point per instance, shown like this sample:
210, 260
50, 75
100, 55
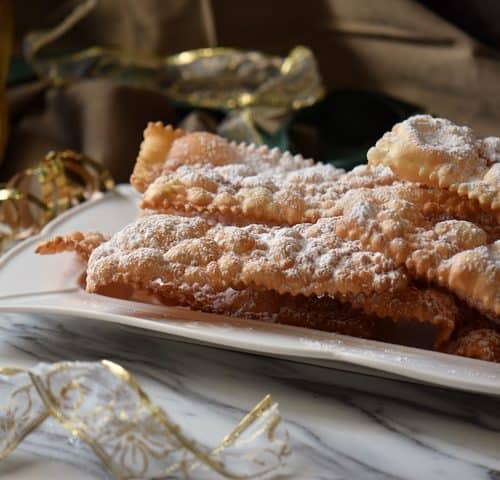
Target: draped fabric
397, 47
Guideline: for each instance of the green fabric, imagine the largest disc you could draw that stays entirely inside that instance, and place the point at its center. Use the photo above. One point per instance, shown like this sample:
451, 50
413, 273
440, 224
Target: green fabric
19, 72
349, 123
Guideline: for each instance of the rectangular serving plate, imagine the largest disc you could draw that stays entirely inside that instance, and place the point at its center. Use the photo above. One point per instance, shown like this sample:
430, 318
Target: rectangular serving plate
36, 284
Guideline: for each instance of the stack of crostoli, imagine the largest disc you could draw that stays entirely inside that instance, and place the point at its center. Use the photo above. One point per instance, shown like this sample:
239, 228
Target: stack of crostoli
412, 238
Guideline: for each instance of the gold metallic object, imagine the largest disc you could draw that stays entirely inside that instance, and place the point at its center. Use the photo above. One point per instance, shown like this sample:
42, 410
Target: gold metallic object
225, 78
102, 404
36, 195
5, 49
260, 91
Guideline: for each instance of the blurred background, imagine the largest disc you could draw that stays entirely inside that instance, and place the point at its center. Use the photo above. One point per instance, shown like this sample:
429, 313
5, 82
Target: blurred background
372, 63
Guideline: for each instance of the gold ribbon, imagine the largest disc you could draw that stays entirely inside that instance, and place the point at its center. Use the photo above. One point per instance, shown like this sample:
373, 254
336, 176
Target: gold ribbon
102, 404
36, 195
259, 90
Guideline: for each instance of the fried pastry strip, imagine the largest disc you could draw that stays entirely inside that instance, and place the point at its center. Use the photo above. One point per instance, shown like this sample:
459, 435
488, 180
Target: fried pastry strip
420, 305
438, 153
475, 275
393, 220
202, 173
476, 337
241, 193
164, 150
304, 259
323, 313
152, 154
411, 304
358, 316
482, 344
311, 312
83, 244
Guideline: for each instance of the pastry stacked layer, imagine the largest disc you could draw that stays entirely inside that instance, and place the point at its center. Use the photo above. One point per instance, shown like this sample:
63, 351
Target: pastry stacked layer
410, 239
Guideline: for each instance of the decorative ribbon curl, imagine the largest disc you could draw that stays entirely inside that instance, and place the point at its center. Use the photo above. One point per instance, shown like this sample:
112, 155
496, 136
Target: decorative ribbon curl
36, 195
101, 403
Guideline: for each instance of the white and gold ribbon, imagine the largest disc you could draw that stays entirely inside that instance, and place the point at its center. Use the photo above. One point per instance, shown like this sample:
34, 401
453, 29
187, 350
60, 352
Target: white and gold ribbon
101, 403
36, 195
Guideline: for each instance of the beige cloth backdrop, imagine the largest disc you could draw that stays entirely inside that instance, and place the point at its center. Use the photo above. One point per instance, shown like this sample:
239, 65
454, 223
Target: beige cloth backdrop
395, 46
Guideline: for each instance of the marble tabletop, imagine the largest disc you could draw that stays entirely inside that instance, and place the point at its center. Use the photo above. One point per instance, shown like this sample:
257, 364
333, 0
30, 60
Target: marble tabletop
341, 425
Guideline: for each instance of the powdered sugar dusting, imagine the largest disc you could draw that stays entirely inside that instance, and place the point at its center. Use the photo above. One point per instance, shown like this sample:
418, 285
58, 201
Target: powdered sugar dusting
257, 194
438, 153
478, 268
490, 149
442, 135
305, 259
202, 148
405, 222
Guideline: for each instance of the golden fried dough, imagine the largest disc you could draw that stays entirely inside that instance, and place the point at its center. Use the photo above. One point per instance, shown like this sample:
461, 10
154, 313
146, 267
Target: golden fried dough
474, 275
304, 259
81, 243
152, 154
323, 313
412, 304
242, 193
438, 153
482, 344
393, 220
164, 150
253, 232
420, 305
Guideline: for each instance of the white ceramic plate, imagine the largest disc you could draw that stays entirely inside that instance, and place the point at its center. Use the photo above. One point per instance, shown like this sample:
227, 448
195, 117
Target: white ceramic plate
49, 285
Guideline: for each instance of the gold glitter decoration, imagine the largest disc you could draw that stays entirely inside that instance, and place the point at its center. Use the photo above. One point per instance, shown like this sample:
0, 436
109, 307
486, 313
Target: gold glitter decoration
260, 91
36, 195
102, 404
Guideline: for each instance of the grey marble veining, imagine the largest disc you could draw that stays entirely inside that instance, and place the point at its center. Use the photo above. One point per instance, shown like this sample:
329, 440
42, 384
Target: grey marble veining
342, 425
